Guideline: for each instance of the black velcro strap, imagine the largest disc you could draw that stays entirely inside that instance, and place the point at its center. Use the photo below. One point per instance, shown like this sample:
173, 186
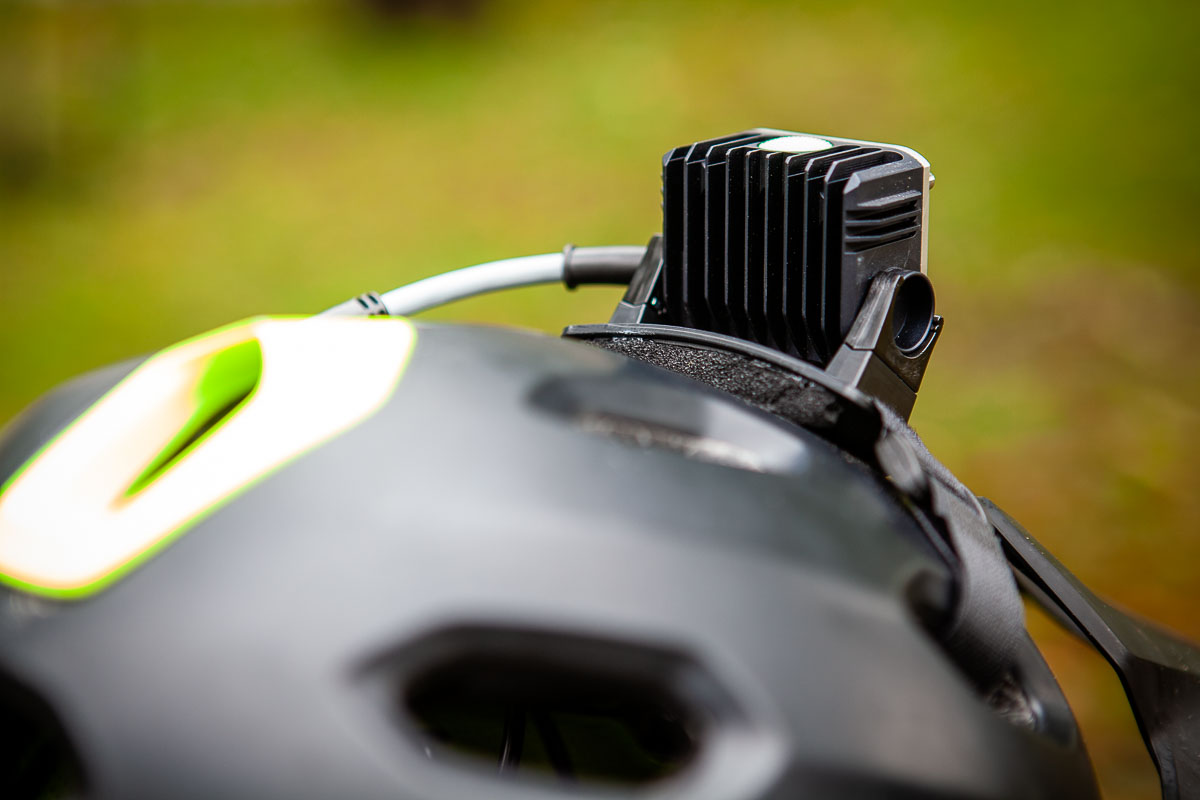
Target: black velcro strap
989, 619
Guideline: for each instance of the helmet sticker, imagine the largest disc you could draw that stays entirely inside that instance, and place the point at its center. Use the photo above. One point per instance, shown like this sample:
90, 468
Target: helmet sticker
185, 432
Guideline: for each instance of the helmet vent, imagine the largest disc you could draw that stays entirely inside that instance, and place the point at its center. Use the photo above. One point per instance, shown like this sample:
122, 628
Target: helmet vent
641, 409
640, 433
36, 759
612, 718
225, 384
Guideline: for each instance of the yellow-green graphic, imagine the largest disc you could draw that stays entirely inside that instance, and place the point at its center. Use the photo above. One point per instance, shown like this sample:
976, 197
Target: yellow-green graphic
184, 433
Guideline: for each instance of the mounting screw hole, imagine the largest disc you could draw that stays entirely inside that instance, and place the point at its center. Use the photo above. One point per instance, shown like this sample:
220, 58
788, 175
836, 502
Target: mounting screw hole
912, 311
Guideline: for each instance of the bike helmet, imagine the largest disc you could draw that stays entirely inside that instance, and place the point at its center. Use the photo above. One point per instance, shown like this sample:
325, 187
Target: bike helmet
694, 551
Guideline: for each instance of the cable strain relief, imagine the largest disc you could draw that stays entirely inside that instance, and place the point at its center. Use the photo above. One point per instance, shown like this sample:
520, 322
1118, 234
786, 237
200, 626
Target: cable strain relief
367, 304
570, 279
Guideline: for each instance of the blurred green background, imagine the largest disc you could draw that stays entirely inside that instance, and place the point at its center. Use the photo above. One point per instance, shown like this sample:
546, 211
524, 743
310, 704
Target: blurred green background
165, 168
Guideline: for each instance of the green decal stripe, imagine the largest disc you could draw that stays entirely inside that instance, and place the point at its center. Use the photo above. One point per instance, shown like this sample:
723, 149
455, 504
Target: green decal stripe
162, 542
144, 365
227, 383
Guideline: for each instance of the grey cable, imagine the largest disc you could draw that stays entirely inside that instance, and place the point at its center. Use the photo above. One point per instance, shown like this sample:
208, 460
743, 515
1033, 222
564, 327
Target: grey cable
509, 273
573, 267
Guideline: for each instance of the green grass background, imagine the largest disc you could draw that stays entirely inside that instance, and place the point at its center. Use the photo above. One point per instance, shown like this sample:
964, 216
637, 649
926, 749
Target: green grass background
166, 168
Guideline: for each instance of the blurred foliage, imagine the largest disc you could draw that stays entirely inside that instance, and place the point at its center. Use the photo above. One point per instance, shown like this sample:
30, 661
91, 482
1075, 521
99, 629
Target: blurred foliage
165, 168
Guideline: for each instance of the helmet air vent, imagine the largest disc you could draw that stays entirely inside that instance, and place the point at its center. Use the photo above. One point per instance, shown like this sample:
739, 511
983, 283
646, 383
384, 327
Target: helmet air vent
36, 759
525, 714
559, 708
224, 383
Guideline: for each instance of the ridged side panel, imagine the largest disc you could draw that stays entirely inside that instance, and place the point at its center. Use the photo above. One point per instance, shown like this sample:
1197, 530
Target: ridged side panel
832, 322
